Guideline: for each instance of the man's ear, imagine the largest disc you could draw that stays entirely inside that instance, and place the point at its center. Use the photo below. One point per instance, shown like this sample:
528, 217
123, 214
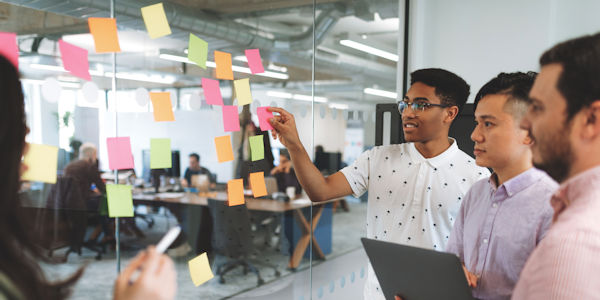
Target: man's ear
451, 113
591, 120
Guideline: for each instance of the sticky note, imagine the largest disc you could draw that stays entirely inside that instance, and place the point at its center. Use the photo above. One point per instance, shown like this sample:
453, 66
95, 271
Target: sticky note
242, 91
156, 20
257, 147
258, 185
254, 61
200, 270
75, 60
163, 109
231, 119
41, 161
223, 61
160, 154
263, 118
9, 48
235, 192
197, 51
119, 153
224, 148
104, 32
212, 91
120, 200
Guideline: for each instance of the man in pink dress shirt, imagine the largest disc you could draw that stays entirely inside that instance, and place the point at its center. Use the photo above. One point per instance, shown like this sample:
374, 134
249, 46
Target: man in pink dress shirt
564, 120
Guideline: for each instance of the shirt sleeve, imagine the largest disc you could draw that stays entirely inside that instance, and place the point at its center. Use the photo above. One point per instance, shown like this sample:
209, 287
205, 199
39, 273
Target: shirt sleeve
563, 267
357, 174
187, 176
455, 242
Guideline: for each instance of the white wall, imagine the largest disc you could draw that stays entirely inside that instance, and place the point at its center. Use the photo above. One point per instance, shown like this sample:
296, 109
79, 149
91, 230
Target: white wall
478, 39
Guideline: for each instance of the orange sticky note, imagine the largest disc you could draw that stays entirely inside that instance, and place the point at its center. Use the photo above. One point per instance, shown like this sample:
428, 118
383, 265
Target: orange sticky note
163, 109
104, 31
257, 183
224, 149
235, 192
223, 61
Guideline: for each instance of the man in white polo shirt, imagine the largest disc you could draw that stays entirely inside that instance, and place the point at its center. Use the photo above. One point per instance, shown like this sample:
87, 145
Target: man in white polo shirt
416, 188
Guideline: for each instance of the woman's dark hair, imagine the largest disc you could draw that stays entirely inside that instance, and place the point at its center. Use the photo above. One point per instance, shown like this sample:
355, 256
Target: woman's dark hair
580, 61
19, 256
449, 87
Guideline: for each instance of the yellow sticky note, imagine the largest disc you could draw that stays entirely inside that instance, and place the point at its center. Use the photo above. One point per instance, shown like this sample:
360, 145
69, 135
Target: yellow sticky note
235, 192
156, 20
257, 183
120, 200
242, 91
163, 109
160, 154
41, 161
200, 269
223, 62
224, 149
104, 32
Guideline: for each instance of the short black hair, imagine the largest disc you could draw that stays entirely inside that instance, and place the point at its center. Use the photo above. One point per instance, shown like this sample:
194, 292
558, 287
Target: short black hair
196, 156
580, 61
515, 85
449, 87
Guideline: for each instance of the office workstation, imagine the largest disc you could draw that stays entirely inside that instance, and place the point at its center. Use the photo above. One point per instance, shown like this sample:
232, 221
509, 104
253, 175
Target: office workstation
276, 135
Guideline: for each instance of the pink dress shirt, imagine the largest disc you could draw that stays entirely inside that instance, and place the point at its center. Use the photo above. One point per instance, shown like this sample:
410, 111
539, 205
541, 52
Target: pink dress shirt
566, 264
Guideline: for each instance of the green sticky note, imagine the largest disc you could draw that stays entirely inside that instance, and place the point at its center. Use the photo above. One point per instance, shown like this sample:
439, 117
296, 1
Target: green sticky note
257, 148
120, 200
197, 51
160, 154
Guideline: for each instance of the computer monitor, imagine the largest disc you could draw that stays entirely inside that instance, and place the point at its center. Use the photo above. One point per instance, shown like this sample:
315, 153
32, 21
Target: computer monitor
174, 171
461, 127
330, 162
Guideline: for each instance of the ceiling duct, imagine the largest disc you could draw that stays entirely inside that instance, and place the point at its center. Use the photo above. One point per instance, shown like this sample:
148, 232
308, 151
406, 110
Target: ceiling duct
182, 22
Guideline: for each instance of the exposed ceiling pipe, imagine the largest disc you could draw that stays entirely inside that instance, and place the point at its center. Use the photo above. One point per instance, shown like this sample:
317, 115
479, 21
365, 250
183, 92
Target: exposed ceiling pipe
182, 22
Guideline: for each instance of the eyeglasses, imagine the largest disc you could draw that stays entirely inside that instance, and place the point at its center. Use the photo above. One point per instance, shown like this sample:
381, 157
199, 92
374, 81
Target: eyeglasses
417, 106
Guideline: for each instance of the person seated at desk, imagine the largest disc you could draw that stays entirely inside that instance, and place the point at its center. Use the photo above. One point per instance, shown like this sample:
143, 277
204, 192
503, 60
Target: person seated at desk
196, 169
503, 217
85, 172
285, 175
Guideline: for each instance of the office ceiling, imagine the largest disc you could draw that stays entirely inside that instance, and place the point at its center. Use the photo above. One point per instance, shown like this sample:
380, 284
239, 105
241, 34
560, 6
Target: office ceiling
281, 29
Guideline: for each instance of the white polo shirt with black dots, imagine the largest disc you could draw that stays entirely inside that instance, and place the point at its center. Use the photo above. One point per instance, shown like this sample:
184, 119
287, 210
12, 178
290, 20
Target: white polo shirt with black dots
412, 200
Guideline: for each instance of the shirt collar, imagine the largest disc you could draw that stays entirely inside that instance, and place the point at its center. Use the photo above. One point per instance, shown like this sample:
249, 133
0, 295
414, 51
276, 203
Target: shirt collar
517, 183
435, 161
574, 188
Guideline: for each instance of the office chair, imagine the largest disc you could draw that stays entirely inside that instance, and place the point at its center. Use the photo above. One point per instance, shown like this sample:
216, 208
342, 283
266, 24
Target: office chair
232, 239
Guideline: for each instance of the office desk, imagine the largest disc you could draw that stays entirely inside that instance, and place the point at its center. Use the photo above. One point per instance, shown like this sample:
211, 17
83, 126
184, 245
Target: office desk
268, 205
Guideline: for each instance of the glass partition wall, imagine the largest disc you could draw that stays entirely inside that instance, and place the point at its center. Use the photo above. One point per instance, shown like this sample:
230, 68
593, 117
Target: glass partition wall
176, 118
170, 124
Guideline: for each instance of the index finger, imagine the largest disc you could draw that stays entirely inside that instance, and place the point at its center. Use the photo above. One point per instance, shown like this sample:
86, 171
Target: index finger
279, 110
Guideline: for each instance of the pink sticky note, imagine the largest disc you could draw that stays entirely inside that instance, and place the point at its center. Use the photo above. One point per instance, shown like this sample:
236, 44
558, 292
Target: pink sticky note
9, 48
75, 60
254, 61
212, 91
119, 153
231, 119
263, 118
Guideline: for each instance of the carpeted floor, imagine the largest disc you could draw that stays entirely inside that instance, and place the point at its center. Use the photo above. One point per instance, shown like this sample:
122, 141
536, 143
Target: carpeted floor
99, 276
